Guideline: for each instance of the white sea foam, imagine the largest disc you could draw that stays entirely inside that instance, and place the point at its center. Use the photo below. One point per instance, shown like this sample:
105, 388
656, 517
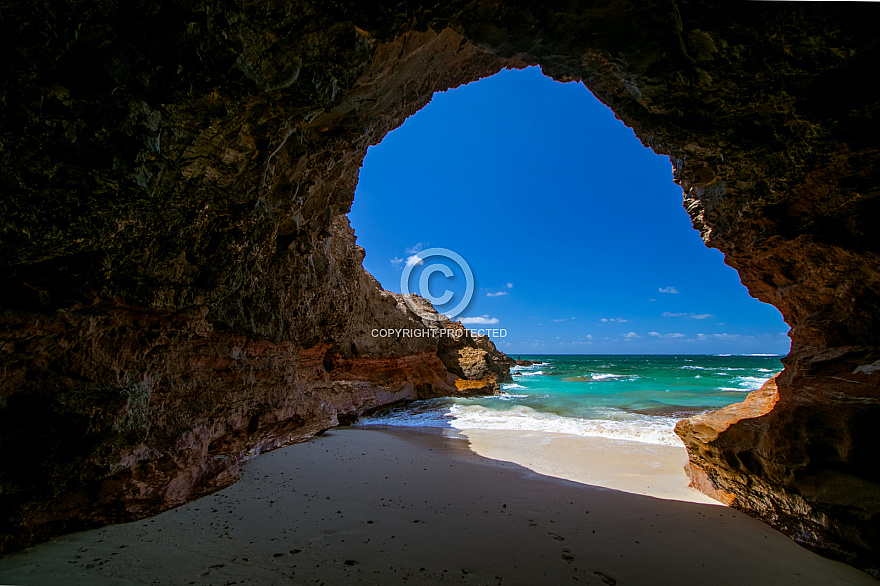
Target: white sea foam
534, 373
695, 367
512, 387
632, 427
600, 376
751, 383
430, 418
620, 425
530, 367
508, 396
747, 383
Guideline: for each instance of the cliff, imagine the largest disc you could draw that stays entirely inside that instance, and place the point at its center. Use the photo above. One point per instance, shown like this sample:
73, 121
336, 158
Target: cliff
180, 284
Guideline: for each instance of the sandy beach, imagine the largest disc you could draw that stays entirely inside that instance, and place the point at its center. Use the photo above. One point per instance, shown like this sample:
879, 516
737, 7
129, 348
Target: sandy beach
633, 467
374, 506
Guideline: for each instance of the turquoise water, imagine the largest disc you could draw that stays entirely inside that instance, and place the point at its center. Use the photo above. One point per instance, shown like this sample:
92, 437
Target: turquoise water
618, 396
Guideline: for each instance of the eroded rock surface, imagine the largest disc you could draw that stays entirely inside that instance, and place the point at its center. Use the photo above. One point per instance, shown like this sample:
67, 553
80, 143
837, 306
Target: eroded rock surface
178, 273
113, 412
706, 451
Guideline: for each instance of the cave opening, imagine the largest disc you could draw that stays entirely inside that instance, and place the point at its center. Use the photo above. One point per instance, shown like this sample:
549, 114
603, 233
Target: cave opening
580, 249
574, 230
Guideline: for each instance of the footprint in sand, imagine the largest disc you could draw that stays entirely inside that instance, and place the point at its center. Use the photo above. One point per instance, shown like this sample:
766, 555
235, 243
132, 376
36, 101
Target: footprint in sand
214, 567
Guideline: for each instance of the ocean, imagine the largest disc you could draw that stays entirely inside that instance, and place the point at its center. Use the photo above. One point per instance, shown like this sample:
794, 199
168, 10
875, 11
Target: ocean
629, 397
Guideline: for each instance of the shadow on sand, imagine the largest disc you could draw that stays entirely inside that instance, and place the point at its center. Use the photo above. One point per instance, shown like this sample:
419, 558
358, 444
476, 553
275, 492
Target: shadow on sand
375, 506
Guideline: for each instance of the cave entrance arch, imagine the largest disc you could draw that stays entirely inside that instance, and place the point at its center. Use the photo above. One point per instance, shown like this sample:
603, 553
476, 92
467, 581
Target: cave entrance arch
529, 177
201, 162
579, 241
738, 208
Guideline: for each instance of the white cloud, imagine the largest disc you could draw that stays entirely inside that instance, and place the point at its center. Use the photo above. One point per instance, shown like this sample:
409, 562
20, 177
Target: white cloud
483, 319
510, 285
396, 261
691, 315
672, 290
672, 335
414, 260
560, 319
416, 248
631, 336
610, 319
498, 294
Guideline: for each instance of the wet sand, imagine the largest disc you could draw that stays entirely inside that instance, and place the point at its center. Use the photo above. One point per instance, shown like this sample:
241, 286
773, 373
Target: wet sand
371, 506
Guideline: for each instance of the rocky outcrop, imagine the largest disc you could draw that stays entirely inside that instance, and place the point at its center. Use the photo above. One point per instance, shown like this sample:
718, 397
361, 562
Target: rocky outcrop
113, 412
803, 484
472, 357
175, 178
710, 458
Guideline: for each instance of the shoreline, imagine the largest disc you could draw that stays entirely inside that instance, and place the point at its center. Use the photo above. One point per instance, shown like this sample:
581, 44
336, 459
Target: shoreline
636, 467
380, 506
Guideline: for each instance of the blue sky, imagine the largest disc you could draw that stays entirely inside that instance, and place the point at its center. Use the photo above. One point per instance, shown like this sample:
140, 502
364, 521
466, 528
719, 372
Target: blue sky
574, 231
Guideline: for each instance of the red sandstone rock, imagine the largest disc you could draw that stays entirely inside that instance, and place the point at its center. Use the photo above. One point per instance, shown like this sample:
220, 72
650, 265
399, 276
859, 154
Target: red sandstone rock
700, 434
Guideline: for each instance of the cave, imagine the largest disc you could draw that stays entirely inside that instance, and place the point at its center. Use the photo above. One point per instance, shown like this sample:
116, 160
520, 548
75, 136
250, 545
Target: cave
182, 287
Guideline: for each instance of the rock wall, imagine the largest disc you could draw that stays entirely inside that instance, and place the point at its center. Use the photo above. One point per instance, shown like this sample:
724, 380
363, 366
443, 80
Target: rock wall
178, 272
112, 412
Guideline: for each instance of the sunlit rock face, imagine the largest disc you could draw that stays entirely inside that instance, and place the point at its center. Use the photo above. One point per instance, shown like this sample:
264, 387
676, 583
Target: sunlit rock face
182, 289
